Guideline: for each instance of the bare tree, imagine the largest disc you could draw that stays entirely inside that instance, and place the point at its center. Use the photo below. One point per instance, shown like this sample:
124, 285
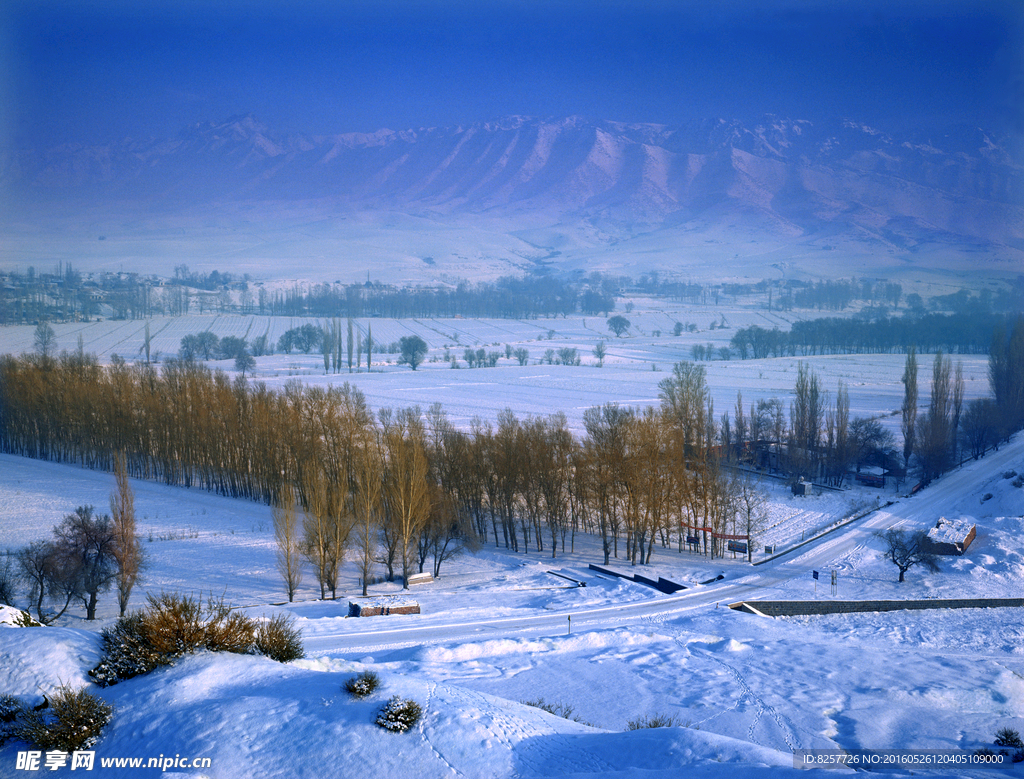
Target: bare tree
128, 553
837, 430
8, 580
869, 441
390, 539
905, 550
369, 345
701, 486
286, 532
740, 428
316, 541
85, 547
340, 521
349, 344
44, 340
47, 579
413, 350
1006, 374
368, 468
406, 488
935, 435
768, 424
750, 504
957, 407
446, 534
980, 425
605, 448
146, 343
245, 363
328, 346
806, 417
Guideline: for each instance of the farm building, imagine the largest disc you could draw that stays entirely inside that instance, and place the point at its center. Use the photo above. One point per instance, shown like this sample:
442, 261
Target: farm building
950, 536
802, 487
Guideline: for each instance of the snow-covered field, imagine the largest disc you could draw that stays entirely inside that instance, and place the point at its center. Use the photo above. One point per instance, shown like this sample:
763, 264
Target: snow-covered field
634, 364
495, 632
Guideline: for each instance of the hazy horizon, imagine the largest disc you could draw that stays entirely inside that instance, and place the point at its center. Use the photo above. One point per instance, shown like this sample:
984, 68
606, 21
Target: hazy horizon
90, 72
938, 196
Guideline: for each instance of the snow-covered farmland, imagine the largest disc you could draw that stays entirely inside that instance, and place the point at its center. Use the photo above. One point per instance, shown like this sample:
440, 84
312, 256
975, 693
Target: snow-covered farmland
634, 364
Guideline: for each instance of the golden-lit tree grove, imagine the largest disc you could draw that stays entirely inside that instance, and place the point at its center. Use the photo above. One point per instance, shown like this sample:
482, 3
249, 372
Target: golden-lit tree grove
403, 488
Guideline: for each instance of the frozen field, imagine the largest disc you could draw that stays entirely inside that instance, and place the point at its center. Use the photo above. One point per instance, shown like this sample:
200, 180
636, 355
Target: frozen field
632, 368
494, 633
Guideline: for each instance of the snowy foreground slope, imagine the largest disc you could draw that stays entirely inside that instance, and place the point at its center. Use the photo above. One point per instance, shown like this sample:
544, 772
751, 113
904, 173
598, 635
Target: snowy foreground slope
493, 634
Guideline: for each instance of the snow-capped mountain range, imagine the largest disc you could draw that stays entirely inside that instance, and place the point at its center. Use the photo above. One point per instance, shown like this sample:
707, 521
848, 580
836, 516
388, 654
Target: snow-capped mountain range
791, 180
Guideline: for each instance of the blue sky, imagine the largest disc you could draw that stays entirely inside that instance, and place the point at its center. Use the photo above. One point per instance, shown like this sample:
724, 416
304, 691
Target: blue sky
102, 70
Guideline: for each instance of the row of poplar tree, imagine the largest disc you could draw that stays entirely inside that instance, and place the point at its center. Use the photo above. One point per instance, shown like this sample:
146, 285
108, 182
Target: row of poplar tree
400, 488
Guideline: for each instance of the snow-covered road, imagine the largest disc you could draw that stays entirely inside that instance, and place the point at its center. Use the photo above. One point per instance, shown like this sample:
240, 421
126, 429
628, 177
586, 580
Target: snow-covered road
829, 551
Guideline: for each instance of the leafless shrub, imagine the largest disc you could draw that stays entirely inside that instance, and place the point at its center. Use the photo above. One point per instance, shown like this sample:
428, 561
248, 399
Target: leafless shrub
279, 639
563, 710
228, 631
174, 624
655, 721
10, 709
73, 721
127, 651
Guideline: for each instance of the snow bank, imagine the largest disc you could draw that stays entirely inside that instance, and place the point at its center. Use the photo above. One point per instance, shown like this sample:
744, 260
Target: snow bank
255, 718
38, 660
521, 646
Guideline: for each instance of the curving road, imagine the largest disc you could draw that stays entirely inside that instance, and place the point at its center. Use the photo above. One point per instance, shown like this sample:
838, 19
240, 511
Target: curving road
919, 511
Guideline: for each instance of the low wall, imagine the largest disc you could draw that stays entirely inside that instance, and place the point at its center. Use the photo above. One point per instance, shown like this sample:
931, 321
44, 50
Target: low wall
661, 584
381, 609
792, 608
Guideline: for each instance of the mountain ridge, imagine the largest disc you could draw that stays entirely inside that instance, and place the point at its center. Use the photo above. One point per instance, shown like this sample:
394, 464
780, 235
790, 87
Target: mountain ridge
960, 190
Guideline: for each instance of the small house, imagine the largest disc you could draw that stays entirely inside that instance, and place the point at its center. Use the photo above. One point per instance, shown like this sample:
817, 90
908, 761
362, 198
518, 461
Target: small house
950, 537
802, 487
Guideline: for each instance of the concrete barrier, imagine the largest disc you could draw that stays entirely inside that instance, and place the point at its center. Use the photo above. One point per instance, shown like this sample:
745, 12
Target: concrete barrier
609, 572
661, 584
567, 577
793, 608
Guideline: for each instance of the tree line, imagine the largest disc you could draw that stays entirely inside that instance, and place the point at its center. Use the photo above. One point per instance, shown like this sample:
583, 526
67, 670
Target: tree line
399, 488
509, 297
66, 296
952, 334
